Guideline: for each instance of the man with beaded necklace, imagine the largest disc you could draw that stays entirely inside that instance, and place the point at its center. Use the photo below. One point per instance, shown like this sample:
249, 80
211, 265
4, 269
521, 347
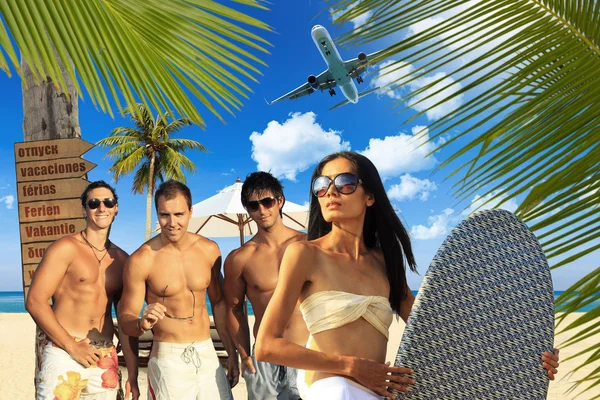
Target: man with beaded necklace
82, 273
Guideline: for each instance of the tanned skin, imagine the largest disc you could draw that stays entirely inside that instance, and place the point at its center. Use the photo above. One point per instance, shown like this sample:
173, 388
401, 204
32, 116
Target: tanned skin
253, 270
83, 291
164, 272
339, 261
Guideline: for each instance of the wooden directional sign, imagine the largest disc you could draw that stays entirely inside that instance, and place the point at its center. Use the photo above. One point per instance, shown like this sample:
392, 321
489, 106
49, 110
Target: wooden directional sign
32, 253
50, 230
50, 210
50, 149
49, 183
73, 167
52, 190
28, 270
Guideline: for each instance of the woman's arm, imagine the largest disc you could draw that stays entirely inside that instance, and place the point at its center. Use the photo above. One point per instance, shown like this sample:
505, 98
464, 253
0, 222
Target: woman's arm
295, 271
406, 304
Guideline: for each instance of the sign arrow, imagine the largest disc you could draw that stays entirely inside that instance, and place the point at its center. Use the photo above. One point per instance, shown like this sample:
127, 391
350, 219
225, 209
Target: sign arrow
50, 149
53, 190
73, 167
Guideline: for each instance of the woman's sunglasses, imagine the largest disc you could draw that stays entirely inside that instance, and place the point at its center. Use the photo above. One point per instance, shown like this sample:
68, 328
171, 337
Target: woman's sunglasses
266, 202
345, 183
95, 203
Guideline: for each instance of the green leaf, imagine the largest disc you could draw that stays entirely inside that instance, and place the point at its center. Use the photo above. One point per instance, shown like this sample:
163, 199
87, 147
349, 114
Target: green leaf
147, 51
529, 125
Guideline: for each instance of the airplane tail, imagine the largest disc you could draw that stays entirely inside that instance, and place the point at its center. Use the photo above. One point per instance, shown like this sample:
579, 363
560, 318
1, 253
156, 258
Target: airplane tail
343, 103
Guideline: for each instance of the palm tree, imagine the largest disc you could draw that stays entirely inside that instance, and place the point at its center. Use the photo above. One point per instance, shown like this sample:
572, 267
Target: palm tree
140, 50
147, 51
149, 148
530, 125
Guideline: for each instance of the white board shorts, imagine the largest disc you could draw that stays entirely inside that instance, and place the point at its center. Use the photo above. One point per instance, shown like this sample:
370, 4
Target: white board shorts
339, 388
186, 371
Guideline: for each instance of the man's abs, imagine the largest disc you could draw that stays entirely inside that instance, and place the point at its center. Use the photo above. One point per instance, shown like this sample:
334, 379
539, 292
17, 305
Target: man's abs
81, 318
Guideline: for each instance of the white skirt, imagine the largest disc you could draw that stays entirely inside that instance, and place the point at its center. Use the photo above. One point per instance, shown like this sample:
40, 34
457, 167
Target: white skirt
339, 388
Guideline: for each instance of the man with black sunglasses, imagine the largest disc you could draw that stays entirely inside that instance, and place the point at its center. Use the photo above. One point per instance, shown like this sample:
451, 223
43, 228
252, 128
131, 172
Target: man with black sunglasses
253, 270
82, 273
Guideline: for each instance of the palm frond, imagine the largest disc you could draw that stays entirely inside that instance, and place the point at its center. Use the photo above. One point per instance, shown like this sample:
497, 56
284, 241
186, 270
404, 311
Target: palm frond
124, 150
117, 140
176, 125
127, 163
531, 81
141, 50
181, 145
140, 179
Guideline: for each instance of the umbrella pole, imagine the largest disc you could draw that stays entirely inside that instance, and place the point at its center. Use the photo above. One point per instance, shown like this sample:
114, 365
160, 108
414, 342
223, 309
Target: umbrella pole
241, 227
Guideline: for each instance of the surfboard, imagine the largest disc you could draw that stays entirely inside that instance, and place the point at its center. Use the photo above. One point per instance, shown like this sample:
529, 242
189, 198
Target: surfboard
483, 316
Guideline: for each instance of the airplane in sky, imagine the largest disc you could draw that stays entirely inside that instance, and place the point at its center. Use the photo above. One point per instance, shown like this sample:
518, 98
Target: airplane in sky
338, 73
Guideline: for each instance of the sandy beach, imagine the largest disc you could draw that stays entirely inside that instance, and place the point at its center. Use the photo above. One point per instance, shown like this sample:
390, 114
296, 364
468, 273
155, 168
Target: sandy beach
17, 333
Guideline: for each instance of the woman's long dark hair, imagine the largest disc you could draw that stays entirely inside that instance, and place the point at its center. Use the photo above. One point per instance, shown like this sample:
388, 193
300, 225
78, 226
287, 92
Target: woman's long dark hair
382, 228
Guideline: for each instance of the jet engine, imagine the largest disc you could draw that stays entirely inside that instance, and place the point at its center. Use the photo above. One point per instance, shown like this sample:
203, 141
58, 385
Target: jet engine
362, 57
312, 81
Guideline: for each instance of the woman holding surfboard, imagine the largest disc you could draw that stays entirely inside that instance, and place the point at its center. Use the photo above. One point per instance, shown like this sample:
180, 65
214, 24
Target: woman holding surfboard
349, 277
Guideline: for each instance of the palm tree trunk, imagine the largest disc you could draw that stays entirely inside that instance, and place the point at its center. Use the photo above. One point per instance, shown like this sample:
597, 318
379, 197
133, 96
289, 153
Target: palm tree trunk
48, 113
149, 194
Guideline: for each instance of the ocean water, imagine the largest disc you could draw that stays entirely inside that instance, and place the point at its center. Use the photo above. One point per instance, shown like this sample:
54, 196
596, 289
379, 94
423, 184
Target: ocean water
12, 302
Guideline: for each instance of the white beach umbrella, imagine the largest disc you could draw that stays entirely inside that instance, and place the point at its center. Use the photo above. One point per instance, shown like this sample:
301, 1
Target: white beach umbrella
223, 215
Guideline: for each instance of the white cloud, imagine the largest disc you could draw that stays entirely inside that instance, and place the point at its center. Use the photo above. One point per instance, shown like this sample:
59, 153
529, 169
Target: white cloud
283, 149
393, 76
423, 25
510, 204
449, 37
395, 155
446, 87
411, 188
9, 200
439, 225
358, 21
231, 172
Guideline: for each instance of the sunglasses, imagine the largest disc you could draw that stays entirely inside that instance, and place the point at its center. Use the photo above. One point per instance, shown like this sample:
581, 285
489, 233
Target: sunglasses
266, 202
180, 318
95, 203
345, 183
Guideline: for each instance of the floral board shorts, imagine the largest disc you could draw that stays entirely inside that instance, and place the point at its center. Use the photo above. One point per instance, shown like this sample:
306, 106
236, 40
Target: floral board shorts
60, 377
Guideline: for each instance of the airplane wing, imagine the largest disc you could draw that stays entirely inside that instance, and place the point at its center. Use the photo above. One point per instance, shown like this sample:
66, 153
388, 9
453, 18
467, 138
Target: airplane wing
366, 92
355, 67
324, 80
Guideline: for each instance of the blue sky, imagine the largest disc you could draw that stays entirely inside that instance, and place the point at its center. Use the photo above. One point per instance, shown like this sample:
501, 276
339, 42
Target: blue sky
287, 138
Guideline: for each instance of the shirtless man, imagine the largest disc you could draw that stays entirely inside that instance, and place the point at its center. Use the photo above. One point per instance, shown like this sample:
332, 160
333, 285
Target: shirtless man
252, 270
172, 272
82, 274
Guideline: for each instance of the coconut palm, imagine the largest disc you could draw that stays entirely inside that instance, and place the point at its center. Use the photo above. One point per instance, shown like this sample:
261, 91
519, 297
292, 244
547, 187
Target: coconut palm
150, 150
529, 71
148, 51
139, 50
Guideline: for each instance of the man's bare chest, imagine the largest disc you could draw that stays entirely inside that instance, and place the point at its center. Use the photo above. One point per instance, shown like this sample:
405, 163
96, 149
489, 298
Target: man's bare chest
261, 271
177, 274
86, 274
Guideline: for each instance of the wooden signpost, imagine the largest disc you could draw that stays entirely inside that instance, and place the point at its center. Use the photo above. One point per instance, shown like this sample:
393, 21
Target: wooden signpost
49, 183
